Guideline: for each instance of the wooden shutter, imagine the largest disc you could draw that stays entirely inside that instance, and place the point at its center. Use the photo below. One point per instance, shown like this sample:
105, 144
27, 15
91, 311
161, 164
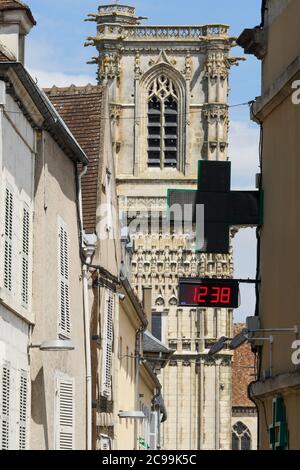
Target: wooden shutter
5, 407
64, 289
23, 410
107, 345
25, 255
153, 430
8, 244
65, 409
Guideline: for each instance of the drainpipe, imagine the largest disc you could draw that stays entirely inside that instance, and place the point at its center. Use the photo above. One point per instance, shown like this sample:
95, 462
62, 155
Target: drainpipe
139, 338
88, 252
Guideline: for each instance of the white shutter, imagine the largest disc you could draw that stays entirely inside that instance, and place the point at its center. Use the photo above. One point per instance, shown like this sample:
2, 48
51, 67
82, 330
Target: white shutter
8, 244
153, 430
64, 320
23, 410
25, 255
107, 345
65, 409
5, 407
105, 442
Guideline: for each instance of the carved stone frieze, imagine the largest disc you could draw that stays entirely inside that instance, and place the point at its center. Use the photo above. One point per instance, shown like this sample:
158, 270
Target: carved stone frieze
217, 65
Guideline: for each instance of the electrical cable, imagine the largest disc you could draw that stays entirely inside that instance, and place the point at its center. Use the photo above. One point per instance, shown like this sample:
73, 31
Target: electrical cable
102, 118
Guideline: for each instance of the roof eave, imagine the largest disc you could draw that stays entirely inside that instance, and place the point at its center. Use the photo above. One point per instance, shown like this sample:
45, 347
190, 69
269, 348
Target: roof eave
52, 120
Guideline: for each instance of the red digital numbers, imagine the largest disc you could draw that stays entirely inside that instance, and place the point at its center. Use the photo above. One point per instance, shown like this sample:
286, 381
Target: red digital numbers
200, 294
214, 295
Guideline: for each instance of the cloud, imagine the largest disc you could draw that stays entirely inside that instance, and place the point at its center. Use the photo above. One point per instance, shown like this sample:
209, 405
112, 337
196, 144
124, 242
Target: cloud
244, 154
48, 79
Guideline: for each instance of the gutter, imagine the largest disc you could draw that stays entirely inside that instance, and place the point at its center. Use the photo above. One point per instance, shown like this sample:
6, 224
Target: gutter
134, 300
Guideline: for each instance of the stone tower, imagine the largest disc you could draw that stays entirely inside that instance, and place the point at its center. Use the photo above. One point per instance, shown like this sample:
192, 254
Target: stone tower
168, 91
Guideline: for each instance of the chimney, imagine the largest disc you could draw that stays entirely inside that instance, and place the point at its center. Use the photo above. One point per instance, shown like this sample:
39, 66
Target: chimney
147, 304
16, 21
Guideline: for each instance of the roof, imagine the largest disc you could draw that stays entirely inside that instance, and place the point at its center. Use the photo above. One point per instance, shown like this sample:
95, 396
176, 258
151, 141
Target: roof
242, 372
48, 119
152, 344
81, 109
16, 5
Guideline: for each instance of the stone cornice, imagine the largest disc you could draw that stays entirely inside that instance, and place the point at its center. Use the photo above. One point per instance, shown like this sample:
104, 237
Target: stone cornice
283, 383
280, 89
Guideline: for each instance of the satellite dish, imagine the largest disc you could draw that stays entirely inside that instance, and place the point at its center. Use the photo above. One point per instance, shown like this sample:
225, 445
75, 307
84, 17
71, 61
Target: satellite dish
239, 339
218, 346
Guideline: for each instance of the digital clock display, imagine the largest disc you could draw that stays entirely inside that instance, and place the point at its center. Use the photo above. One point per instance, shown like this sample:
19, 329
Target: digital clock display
215, 293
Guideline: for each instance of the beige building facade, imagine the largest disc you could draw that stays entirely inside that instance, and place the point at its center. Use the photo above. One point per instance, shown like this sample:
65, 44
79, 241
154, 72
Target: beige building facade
276, 392
168, 92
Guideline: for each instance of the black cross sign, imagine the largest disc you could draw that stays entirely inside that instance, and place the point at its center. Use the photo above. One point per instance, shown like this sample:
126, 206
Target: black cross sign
222, 207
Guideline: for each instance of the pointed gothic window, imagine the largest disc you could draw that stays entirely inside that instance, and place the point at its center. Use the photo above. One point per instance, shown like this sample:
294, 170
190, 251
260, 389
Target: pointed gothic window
241, 437
162, 123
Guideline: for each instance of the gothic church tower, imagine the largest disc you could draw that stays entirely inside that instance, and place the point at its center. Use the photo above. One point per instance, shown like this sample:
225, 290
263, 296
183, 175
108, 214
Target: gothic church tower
168, 90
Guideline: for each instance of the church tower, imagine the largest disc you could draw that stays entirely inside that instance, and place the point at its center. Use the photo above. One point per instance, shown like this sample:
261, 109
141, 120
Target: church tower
168, 91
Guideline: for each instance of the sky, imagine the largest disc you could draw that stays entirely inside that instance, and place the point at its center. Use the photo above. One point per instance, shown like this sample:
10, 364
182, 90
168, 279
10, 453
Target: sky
56, 55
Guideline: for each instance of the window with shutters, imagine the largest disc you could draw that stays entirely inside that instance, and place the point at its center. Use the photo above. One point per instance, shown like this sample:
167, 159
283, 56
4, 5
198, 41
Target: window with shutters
5, 407
162, 123
105, 442
153, 430
25, 256
23, 410
8, 244
65, 413
107, 345
64, 326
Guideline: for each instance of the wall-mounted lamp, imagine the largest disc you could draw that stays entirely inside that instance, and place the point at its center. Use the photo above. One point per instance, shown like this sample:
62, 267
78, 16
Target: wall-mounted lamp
54, 345
132, 414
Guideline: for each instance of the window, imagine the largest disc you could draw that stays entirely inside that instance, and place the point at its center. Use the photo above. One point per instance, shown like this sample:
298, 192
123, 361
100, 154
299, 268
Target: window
25, 255
23, 410
162, 123
64, 289
5, 407
107, 345
65, 413
156, 325
241, 437
8, 248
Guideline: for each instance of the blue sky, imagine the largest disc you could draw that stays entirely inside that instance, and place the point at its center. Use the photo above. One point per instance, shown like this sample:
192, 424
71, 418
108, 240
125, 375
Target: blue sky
55, 55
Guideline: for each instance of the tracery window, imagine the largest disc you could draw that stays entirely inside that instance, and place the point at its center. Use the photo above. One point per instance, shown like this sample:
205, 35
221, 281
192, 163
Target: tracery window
162, 123
241, 437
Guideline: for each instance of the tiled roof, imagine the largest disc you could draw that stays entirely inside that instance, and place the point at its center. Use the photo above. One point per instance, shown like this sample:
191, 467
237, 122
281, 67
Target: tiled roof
242, 372
81, 108
16, 5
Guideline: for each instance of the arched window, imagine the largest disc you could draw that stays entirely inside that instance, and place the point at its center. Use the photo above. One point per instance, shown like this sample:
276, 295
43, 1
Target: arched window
241, 437
162, 123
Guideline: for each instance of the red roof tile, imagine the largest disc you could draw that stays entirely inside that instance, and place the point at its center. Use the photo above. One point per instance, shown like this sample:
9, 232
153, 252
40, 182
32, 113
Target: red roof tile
81, 108
16, 5
242, 372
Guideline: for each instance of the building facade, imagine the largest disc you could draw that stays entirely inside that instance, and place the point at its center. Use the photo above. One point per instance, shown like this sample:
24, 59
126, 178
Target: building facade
244, 411
277, 391
168, 97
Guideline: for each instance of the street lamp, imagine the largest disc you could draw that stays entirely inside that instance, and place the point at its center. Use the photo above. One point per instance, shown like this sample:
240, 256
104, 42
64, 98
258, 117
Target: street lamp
53, 345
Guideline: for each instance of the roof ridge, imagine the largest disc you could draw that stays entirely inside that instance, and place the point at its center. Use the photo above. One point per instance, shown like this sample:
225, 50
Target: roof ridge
73, 89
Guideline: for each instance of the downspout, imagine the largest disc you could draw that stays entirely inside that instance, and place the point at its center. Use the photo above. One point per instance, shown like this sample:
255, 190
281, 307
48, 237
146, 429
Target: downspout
139, 337
86, 314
